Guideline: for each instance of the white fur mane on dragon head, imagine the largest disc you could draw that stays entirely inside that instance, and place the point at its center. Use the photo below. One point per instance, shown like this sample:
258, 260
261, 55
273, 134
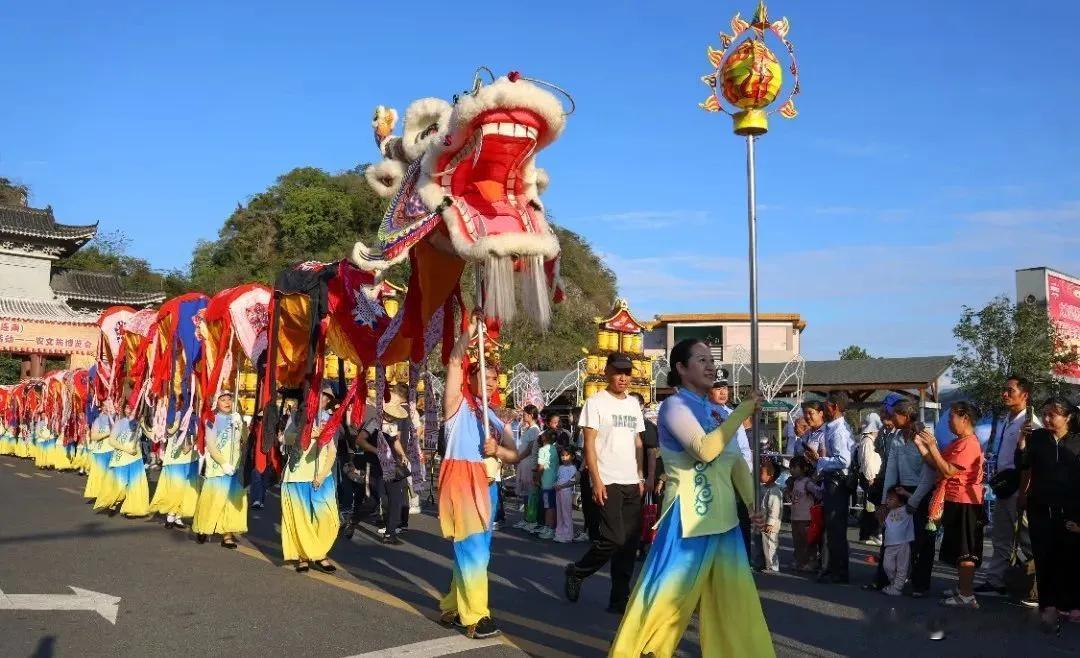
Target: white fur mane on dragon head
463, 178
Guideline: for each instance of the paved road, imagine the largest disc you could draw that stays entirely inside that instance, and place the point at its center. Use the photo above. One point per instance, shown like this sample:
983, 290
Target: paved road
179, 597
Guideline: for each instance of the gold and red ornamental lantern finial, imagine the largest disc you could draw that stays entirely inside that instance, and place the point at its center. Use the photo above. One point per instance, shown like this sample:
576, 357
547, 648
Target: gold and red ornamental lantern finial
749, 76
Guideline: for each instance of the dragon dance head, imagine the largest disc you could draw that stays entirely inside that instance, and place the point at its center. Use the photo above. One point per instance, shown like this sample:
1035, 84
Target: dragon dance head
463, 175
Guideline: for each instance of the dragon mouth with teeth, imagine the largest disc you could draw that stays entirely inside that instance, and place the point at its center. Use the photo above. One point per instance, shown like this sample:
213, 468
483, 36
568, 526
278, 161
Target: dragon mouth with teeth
486, 179
463, 182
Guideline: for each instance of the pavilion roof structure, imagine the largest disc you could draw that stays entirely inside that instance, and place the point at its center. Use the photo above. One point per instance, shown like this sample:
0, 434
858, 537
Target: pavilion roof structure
621, 319
40, 226
14, 308
99, 288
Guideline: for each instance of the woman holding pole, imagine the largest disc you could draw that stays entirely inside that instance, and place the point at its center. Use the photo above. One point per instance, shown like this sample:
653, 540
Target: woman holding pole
698, 561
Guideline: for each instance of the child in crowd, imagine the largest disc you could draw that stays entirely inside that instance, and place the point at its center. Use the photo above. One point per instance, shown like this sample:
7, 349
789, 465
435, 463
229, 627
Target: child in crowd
547, 466
803, 493
567, 477
899, 533
771, 504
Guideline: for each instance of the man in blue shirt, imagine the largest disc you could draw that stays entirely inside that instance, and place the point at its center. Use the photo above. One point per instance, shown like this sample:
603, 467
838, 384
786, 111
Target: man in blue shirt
833, 469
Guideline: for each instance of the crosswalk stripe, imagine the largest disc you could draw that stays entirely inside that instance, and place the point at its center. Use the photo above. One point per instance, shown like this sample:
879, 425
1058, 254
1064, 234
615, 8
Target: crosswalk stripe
42, 475
443, 646
71, 491
23, 475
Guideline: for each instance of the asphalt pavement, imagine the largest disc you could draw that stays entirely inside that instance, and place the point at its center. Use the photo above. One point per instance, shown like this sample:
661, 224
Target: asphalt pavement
181, 598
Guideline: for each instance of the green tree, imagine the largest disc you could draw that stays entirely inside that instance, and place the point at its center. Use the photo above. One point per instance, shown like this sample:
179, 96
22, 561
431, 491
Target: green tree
854, 353
1002, 339
107, 252
12, 193
307, 214
10, 368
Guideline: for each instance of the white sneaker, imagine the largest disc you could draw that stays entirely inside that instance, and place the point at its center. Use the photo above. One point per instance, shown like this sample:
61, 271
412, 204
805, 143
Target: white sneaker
381, 531
539, 529
582, 537
960, 601
546, 533
873, 541
521, 525
256, 505
178, 522
891, 592
414, 510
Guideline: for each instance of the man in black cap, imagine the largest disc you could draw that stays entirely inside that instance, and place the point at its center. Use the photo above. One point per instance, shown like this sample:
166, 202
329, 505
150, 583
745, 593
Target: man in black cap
612, 425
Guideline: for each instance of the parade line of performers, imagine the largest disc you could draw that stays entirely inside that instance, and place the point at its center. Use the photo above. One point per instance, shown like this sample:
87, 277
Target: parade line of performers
208, 489
698, 563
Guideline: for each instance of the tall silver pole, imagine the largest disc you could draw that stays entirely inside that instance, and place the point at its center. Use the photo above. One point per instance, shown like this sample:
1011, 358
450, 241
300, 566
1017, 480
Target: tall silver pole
480, 329
755, 366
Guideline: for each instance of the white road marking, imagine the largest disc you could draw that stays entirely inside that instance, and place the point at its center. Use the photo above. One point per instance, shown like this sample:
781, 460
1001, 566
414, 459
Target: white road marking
412, 578
443, 646
543, 590
71, 491
9, 465
42, 475
23, 475
83, 599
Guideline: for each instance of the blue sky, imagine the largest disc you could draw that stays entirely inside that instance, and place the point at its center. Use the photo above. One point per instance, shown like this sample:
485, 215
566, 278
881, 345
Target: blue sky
936, 150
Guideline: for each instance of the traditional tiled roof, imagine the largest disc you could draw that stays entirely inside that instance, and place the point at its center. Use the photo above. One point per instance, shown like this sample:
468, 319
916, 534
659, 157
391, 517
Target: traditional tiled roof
99, 287
671, 318
860, 374
39, 224
621, 319
15, 308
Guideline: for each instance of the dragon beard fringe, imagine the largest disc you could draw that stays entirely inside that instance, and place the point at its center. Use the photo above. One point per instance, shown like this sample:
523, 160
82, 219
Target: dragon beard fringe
500, 294
535, 296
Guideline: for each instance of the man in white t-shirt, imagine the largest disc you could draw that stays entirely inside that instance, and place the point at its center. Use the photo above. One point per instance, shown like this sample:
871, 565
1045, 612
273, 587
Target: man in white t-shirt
612, 425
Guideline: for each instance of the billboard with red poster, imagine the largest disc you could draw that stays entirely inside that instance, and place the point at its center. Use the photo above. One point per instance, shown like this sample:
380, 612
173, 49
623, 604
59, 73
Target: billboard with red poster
1061, 294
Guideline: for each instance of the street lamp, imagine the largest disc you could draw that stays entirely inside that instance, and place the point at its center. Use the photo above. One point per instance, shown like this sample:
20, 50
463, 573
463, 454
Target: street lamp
749, 77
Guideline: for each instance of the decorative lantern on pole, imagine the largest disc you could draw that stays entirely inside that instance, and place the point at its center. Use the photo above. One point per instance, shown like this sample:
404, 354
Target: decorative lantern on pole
621, 332
750, 77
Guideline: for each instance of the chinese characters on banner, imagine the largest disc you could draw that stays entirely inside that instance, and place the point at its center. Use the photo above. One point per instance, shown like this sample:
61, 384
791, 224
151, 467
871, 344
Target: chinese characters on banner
32, 337
1063, 306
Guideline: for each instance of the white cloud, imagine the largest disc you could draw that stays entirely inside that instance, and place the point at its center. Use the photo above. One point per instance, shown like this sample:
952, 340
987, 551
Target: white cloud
1009, 217
893, 298
647, 218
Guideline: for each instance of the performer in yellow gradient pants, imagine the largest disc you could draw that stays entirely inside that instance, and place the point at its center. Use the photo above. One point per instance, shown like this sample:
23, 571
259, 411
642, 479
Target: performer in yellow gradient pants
698, 561
309, 510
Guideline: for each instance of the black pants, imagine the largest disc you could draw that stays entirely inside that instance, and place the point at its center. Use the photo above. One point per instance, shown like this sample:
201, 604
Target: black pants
619, 535
836, 500
589, 509
1056, 553
922, 549
499, 511
744, 524
351, 496
395, 505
